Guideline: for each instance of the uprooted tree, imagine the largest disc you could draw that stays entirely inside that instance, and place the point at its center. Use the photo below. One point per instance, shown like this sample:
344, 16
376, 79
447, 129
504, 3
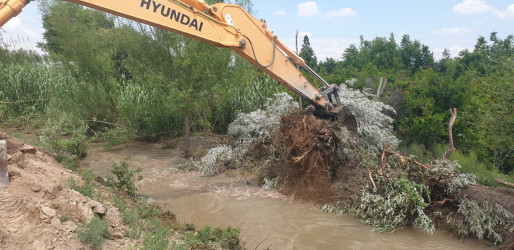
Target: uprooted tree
319, 161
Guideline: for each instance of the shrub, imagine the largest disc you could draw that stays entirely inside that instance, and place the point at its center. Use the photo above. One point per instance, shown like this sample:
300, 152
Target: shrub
122, 178
93, 233
64, 132
88, 176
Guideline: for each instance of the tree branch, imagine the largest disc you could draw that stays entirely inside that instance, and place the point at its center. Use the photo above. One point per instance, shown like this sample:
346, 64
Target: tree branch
259, 93
453, 113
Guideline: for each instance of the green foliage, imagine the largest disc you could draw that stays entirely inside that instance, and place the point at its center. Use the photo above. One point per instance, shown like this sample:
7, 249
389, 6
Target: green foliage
68, 161
64, 133
131, 216
88, 176
27, 89
401, 203
122, 178
156, 237
119, 202
145, 80
212, 238
94, 232
17, 56
483, 219
86, 189
64, 218
307, 53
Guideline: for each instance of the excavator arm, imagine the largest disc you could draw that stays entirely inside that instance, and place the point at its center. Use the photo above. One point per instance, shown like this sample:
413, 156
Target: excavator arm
221, 25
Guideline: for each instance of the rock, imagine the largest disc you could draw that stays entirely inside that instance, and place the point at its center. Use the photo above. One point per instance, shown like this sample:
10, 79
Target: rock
49, 212
86, 212
116, 235
69, 226
28, 149
98, 208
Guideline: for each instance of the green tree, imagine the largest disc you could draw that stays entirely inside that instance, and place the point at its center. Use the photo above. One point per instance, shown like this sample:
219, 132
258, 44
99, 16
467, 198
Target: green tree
83, 44
307, 53
415, 55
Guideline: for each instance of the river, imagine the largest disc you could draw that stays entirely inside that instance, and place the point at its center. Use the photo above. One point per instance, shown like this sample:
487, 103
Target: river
268, 219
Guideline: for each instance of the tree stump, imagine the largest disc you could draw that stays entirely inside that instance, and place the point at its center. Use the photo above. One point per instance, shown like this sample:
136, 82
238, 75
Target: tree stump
4, 176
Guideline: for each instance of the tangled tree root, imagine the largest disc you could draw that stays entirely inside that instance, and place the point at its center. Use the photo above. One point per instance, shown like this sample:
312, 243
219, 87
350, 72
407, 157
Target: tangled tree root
313, 154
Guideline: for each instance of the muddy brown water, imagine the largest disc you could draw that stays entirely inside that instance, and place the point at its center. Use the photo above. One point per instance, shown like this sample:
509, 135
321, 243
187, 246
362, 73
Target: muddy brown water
267, 218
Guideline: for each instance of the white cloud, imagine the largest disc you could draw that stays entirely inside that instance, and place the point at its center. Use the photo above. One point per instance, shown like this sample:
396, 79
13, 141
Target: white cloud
470, 7
279, 13
308, 9
509, 12
344, 12
453, 31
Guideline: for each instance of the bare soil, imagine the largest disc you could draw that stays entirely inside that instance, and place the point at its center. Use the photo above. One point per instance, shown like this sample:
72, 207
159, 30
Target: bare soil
40, 211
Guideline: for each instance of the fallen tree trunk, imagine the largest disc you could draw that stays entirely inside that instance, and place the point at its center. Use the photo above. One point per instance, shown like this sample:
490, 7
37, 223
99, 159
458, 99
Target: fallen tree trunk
506, 183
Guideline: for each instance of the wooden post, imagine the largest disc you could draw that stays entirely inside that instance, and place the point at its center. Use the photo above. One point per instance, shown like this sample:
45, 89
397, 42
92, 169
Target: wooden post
4, 176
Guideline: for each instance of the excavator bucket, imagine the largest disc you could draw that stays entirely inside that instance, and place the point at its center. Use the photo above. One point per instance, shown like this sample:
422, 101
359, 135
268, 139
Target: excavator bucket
339, 114
344, 117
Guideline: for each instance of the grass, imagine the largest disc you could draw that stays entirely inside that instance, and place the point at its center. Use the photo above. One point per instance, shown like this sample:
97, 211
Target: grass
85, 189
68, 161
485, 174
94, 232
469, 163
211, 237
64, 218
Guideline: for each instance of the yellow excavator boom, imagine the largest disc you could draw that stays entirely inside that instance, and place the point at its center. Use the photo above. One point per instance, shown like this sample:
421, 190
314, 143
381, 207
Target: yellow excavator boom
222, 25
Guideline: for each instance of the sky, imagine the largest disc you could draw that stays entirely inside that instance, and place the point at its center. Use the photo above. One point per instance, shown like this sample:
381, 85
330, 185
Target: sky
332, 26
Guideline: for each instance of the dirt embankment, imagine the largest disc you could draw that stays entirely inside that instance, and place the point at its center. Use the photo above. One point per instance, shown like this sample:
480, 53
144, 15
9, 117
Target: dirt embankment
39, 211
